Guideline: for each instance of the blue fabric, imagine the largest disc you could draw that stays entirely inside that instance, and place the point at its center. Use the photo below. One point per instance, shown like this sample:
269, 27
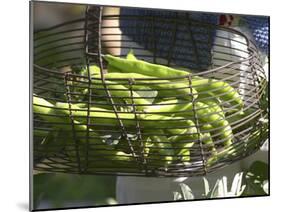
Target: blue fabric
191, 47
259, 27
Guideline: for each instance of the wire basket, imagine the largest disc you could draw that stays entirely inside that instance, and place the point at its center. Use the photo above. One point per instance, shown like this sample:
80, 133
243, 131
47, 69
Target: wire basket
86, 124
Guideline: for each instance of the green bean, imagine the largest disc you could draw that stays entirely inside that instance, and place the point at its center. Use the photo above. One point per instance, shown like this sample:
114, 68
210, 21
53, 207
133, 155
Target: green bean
243, 120
161, 152
41, 107
224, 154
179, 134
113, 69
142, 67
256, 137
172, 107
184, 146
101, 104
185, 138
110, 155
93, 69
131, 56
115, 89
98, 158
214, 107
203, 112
46, 111
207, 139
121, 92
219, 89
216, 121
182, 140
165, 88
49, 113
102, 116
213, 103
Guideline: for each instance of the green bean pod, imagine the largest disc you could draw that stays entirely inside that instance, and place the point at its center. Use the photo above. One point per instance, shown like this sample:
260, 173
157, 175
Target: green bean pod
131, 56
205, 115
48, 112
219, 89
98, 103
93, 69
165, 88
107, 117
172, 107
182, 140
185, 138
142, 67
212, 102
121, 92
216, 121
100, 159
214, 107
161, 152
207, 139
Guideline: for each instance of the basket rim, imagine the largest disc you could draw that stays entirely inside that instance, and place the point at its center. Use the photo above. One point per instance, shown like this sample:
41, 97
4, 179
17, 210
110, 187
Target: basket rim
251, 47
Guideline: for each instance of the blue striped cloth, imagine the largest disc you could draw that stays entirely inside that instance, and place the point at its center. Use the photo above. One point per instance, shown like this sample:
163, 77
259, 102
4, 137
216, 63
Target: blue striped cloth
186, 44
259, 28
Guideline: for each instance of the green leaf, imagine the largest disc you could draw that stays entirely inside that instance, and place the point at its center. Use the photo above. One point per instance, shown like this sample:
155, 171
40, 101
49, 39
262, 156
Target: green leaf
177, 195
256, 178
237, 188
221, 189
265, 186
186, 192
148, 94
60, 190
206, 186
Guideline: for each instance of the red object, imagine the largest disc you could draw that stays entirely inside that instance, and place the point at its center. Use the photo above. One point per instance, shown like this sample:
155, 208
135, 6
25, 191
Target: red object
226, 20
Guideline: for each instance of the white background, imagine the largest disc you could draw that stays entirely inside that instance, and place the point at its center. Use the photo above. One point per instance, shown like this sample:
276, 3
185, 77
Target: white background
14, 104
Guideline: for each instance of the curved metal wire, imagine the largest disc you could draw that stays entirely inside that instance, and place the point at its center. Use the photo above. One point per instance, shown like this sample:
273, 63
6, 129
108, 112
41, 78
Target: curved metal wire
88, 127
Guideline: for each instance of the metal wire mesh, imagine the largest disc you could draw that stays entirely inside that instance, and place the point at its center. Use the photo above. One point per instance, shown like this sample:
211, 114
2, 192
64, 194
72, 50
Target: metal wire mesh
98, 126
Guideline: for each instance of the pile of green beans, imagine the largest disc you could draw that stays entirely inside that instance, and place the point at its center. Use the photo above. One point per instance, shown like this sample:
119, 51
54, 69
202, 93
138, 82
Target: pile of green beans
184, 113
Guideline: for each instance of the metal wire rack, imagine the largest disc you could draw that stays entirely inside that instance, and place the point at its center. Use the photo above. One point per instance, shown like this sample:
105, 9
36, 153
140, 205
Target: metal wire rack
87, 127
